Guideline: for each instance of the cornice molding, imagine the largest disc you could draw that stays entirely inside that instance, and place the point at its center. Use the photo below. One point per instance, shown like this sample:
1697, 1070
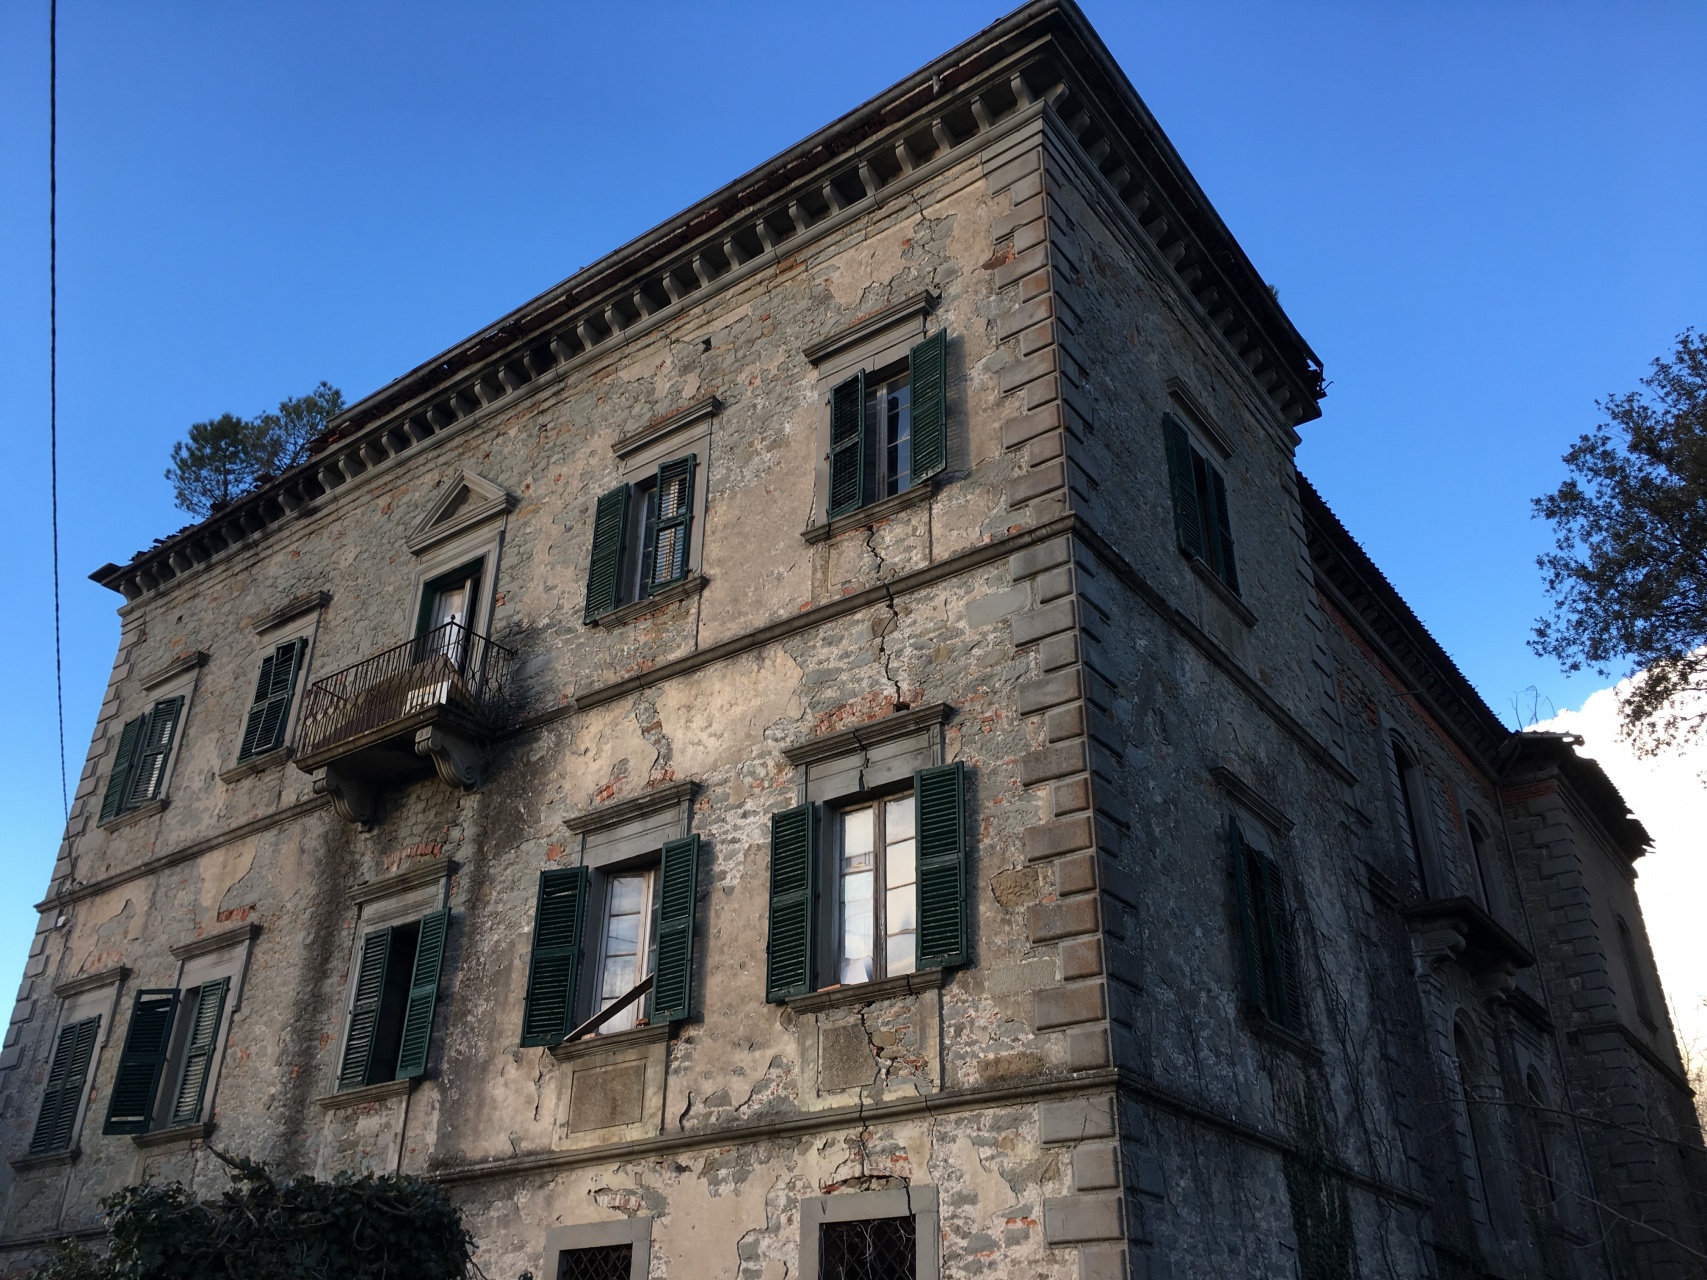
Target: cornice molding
368, 1093
91, 981
612, 815
1042, 61
291, 610
238, 935
173, 669
665, 427
852, 741
431, 870
1246, 794
486, 501
897, 313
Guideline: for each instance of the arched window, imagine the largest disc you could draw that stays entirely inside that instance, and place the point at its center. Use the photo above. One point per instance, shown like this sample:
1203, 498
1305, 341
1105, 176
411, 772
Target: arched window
1633, 972
1411, 808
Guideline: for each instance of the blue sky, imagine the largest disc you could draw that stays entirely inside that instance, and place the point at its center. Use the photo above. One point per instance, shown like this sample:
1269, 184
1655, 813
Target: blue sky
1482, 216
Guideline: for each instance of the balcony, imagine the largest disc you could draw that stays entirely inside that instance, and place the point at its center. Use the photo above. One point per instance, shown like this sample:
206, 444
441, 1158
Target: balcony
427, 705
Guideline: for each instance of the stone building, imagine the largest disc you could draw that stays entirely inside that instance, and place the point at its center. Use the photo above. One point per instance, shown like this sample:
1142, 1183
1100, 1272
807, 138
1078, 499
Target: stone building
836, 742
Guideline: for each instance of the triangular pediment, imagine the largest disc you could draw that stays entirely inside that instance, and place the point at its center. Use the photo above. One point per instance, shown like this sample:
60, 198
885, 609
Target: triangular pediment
466, 502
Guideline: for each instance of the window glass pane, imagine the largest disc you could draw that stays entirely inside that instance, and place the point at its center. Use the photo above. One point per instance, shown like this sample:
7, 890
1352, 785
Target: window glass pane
857, 889
624, 952
901, 896
897, 437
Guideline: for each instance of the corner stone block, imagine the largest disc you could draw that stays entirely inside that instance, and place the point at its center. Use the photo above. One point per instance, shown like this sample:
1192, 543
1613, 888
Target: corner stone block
1049, 763
1052, 921
1035, 560
1074, 1219
1068, 1006
1028, 486
1048, 691
1076, 1119
1089, 1048
1104, 1262
1040, 624
1096, 1167
1052, 839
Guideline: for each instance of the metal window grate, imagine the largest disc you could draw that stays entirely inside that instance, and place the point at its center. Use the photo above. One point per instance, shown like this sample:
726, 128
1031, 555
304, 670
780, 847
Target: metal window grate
876, 1249
610, 1262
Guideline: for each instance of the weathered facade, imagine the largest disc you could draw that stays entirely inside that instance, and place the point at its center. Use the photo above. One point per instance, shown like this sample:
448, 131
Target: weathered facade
873, 625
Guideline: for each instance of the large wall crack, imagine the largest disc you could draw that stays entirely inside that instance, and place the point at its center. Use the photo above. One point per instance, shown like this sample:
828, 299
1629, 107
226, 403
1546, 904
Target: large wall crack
882, 630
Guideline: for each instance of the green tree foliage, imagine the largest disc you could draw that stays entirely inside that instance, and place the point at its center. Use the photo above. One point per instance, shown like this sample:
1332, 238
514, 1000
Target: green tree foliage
224, 458
387, 1227
1630, 524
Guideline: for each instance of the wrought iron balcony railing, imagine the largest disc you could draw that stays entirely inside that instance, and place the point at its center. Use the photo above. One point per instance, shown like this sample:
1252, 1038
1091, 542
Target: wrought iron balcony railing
448, 673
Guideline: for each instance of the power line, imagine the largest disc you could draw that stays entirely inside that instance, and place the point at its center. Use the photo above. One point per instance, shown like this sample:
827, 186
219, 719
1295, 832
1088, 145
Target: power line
53, 366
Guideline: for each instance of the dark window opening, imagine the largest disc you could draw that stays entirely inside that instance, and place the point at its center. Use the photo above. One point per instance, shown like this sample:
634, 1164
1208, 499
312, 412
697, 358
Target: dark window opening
1272, 985
1202, 519
875, 1249
1633, 969
1410, 782
392, 1005
609, 1262
1479, 856
889, 442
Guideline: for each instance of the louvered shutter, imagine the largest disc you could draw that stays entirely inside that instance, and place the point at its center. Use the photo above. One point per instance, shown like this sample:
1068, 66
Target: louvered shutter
667, 557
265, 728
1286, 1005
927, 381
939, 798
604, 570
118, 783
66, 1076
678, 879
152, 751
1244, 901
847, 446
1188, 520
364, 1009
423, 996
555, 963
1224, 562
131, 1107
794, 881
199, 1051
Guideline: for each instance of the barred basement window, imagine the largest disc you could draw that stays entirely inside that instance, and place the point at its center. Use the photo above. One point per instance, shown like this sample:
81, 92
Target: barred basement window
875, 1249
612, 1262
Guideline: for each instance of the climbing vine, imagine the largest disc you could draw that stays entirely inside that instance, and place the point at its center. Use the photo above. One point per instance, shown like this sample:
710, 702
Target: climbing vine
387, 1227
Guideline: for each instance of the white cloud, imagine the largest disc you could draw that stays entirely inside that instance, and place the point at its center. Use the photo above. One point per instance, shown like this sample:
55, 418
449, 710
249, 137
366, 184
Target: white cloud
1668, 794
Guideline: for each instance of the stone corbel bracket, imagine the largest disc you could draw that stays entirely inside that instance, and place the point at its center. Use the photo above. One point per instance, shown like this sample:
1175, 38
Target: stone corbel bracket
354, 799
460, 761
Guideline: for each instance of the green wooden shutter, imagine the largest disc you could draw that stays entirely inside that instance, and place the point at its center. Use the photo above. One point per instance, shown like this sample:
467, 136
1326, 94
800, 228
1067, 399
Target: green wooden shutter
423, 996
1244, 898
927, 381
364, 1009
667, 558
793, 905
555, 964
604, 571
1224, 563
1188, 520
153, 749
118, 783
1286, 1005
678, 879
66, 1076
131, 1107
200, 1050
939, 799
847, 446
265, 728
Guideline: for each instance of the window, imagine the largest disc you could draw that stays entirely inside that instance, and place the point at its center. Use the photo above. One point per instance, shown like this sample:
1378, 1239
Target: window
1266, 947
1479, 864
269, 711
67, 1078
445, 621
394, 997
642, 536
1201, 519
875, 1249
888, 428
869, 887
168, 1057
1409, 780
605, 1262
642, 927
1541, 1122
876, 910
1633, 971
145, 749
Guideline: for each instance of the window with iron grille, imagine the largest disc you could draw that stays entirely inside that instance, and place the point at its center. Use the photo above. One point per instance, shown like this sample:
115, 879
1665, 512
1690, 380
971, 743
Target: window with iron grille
608, 1262
869, 1249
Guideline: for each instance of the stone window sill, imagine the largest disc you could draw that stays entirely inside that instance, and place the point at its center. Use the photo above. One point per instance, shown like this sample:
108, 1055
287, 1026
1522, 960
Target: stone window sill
869, 514
47, 1160
634, 1036
681, 589
366, 1094
1276, 1034
867, 992
179, 1135
256, 764
1226, 594
130, 817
